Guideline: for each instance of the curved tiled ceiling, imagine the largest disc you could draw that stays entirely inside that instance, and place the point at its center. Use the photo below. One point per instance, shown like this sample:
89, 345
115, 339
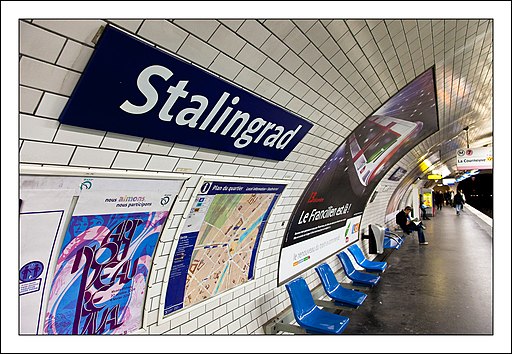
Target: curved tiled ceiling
367, 61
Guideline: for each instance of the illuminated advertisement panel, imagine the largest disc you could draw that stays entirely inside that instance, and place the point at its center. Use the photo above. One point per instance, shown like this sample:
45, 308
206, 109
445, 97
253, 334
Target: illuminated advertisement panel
327, 216
398, 174
218, 243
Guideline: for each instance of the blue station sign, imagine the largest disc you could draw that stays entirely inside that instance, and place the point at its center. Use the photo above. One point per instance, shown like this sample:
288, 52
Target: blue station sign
131, 87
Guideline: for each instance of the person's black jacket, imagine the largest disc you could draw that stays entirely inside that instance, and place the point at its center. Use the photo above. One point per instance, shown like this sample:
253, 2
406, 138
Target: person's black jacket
401, 220
458, 199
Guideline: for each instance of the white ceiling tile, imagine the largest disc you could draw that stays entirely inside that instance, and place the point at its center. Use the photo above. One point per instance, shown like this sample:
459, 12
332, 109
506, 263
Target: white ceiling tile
322, 65
291, 61
251, 56
299, 89
267, 89
310, 97
286, 80
82, 31
355, 25
75, 56
201, 28
226, 66
304, 25
280, 28
198, 51
226, 41
296, 40
305, 72
316, 82
329, 48
31, 38
318, 34
282, 97
254, 32
248, 78
364, 36
337, 29
310, 54
234, 25
274, 48
164, 33
270, 69
339, 59
130, 25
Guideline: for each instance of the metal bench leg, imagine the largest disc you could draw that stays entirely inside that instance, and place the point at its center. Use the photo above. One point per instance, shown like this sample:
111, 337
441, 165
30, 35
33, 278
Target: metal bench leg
277, 326
332, 305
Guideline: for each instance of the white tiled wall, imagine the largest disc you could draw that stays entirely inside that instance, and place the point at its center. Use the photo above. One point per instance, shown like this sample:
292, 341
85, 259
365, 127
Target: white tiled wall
309, 67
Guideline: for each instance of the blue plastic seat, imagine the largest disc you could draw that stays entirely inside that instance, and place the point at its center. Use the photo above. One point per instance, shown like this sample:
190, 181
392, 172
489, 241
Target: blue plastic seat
392, 243
357, 277
370, 266
340, 295
308, 315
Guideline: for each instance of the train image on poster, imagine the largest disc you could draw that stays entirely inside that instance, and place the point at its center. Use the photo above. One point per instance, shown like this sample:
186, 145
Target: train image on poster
219, 240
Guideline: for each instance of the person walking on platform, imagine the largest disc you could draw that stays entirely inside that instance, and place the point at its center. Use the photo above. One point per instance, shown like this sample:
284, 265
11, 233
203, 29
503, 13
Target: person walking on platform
439, 200
404, 220
447, 198
463, 199
458, 200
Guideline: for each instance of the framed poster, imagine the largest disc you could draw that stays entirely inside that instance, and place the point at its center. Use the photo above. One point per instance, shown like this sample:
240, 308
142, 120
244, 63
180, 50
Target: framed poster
218, 243
43, 215
99, 249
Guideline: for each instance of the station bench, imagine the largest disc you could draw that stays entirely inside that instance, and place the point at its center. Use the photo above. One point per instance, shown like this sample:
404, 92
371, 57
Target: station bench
308, 315
362, 261
392, 240
341, 296
358, 278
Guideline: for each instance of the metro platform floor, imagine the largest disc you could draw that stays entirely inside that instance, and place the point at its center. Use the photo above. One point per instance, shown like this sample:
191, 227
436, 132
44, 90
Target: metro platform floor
444, 287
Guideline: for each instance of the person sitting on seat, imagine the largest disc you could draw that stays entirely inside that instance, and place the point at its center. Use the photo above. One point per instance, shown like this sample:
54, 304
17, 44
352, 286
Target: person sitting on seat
404, 220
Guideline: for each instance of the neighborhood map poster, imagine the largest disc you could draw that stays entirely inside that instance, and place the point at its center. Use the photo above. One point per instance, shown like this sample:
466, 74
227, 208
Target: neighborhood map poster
217, 247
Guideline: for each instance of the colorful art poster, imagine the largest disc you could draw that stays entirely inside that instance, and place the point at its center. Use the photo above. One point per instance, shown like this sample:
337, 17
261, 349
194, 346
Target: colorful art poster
340, 190
218, 243
104, 262
43, 213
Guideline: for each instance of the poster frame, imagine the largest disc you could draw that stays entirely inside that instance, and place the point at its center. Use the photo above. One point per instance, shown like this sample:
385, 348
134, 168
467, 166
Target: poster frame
162, 318
66, 171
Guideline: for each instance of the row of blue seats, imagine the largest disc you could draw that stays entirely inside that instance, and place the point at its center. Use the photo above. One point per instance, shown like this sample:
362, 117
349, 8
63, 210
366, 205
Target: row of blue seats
317, 321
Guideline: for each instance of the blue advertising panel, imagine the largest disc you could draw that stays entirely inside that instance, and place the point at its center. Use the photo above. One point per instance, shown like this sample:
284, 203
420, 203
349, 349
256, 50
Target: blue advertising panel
131, 87
218, 244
